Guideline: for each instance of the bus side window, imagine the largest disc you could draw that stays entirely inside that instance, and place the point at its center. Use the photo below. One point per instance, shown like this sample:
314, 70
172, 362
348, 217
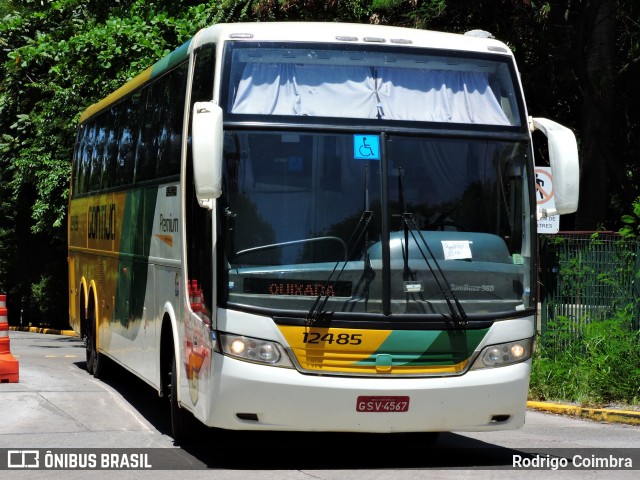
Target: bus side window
78, 174
148, 145
85, 168
111, 149
99, 153
94, 166
202, 87
172, 119
128, 137
197, 219
126, 156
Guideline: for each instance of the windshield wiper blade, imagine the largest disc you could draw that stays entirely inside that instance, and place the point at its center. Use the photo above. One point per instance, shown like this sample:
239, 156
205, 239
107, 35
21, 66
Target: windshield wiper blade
407, 273
317, 314
457, 311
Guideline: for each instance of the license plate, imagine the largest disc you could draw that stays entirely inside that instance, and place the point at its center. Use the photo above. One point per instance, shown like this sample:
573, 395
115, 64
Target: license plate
382, 404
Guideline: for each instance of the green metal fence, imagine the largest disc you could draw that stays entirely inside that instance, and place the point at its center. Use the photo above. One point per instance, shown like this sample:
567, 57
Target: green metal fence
586, 277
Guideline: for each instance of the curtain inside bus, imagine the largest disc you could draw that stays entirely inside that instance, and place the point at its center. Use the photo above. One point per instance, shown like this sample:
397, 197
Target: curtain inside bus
368, 92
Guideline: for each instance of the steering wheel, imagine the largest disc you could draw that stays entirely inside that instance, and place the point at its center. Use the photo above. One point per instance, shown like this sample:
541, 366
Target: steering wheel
442, 222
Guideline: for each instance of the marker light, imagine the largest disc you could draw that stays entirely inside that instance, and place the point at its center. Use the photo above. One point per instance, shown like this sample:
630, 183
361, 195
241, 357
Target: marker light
254, 350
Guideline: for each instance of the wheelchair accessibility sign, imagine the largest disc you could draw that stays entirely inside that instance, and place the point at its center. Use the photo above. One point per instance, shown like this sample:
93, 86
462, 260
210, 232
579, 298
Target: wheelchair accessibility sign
366, 147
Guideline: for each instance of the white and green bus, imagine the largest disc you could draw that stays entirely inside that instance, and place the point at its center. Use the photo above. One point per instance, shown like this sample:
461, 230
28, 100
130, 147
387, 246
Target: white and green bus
316, 227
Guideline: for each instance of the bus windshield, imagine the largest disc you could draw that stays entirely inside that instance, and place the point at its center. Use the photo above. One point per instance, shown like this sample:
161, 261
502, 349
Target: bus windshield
395, 84
372, 222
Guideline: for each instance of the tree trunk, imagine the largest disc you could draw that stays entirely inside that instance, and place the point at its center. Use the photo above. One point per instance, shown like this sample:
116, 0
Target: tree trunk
596, 54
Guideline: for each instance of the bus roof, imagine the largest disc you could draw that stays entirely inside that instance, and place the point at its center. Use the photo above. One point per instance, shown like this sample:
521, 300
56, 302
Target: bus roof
333, 32
315, 32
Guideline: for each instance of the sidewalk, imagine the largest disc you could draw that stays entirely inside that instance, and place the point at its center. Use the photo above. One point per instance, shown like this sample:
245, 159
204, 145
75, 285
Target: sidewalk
608, 415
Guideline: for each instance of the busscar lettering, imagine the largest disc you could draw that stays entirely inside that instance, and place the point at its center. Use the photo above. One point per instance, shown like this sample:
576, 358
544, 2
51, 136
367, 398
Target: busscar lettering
472, 288
101, 222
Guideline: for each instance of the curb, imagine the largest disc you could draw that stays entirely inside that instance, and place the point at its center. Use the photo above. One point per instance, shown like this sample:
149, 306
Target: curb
629, 417
51, 331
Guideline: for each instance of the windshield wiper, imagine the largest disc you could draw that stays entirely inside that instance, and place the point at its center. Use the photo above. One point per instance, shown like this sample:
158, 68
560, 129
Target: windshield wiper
457, 312
317, 315
379, 108
456, 309
407, 273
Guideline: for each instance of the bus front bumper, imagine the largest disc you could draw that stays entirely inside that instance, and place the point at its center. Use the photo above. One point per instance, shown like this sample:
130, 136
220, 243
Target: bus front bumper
247, 396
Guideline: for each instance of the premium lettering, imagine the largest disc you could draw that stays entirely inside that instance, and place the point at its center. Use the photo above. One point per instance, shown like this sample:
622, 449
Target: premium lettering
168, 225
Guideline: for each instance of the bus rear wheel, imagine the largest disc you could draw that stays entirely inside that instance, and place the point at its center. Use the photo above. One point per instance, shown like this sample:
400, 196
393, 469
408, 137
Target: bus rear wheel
95, 360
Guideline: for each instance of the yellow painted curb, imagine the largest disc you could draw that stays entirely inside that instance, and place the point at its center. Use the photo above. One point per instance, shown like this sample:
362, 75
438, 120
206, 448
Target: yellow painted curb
629, 417
52, 331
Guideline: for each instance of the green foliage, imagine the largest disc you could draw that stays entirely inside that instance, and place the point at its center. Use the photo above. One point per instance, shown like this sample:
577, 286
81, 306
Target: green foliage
631, 223
40, 296
596, 365
58, 58
591, 354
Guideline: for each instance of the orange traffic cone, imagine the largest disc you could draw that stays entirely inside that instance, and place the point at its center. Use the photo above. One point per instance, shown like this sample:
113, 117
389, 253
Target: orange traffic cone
9, 366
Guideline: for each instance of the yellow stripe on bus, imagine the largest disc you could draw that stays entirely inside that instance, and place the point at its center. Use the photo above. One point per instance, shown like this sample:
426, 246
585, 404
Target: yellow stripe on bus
123, 91
368, 352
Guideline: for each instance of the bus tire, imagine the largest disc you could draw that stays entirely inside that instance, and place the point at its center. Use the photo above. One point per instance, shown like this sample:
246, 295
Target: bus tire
179, 416
430, 437
90, 343
96, 363
99, 365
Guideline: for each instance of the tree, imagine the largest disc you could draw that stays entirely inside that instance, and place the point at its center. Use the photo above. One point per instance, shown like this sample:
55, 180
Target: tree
57, 58
595, 53
578, 59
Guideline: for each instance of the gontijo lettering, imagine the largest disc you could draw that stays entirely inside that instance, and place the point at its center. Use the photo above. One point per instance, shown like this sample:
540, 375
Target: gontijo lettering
101, 220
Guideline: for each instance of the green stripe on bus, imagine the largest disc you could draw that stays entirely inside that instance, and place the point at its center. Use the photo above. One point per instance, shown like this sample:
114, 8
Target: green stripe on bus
170, 61
437, 347
135, 242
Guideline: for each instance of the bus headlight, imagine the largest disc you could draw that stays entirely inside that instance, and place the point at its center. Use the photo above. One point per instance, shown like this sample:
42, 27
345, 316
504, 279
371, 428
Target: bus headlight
254, 350
504, 354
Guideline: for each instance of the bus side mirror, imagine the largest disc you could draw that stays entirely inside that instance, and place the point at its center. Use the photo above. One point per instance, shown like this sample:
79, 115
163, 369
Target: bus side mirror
206, 144
565, 166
